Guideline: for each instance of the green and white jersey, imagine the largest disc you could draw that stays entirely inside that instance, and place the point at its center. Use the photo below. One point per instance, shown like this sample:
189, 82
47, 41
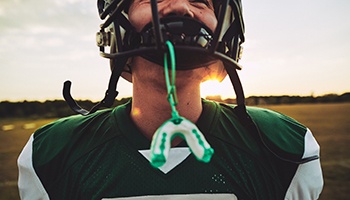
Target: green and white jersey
105, 156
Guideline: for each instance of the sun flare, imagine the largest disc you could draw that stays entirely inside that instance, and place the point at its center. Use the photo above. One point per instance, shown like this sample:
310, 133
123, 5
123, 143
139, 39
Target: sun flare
211, 88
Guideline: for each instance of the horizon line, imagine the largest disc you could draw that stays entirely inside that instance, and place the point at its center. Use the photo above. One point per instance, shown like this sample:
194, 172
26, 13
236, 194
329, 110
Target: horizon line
207, 96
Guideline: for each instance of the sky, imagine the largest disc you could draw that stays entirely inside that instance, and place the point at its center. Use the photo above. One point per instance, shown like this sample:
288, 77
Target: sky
299, 47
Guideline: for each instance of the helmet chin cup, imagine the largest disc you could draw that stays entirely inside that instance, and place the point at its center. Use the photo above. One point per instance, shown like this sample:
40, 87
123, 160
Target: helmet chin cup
191, 38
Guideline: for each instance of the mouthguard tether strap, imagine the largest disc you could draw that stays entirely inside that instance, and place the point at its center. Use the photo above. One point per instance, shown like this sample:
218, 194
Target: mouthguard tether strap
177, 125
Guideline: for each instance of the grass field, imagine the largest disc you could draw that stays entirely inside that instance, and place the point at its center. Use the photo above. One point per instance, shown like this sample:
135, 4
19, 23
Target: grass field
330, 124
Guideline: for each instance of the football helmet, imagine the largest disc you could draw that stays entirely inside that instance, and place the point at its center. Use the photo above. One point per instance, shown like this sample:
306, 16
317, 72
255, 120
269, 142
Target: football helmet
195, 44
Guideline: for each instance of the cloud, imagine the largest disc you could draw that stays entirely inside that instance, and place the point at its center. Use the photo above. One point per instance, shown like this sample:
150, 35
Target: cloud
46, 12
49, 22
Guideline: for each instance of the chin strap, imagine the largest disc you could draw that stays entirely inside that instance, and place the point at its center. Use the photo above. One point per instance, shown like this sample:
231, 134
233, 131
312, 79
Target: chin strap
177, 125
106, 102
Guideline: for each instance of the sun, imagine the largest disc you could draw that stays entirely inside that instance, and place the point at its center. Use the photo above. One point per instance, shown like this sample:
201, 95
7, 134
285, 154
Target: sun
217, 88
210, 88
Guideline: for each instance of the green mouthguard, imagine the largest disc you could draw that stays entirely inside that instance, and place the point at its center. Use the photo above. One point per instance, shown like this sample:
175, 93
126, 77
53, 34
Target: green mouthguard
177, 125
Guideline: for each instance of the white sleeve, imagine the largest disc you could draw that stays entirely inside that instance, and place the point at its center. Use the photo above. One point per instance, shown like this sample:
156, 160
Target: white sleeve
307, 182
29, 184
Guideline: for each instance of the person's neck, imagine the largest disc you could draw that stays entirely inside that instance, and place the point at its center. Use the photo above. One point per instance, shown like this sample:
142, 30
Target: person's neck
150, 107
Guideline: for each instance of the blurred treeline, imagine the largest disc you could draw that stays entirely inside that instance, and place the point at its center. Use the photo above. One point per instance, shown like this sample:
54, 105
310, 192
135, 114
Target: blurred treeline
59, 108
285, 99
47, 109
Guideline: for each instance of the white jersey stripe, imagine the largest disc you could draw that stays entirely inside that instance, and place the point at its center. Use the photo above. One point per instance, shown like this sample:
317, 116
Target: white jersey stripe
307, 182
29, 184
